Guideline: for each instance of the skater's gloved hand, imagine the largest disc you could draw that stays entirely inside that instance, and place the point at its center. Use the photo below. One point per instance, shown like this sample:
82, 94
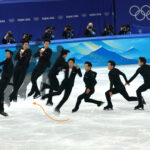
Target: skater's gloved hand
87, 91
110, 93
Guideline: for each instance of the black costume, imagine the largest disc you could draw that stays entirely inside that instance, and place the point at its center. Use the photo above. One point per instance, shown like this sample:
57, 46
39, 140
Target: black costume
52, 75
145, 73
90, 33
114, 76
67, 85
20, 71
5, 79
90, 82
43, 63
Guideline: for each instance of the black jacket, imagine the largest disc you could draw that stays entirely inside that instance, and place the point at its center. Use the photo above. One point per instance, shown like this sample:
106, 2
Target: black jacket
45, 59
114, 77
88, 33
7, 69
25, 60
69, 81
58, 66
90, 79
145, 73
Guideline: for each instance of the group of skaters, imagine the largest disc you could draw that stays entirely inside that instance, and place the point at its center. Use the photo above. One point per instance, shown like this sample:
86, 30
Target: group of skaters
70, 70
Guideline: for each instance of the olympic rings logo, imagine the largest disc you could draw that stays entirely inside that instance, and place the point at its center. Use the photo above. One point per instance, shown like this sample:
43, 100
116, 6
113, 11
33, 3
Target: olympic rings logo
140, 14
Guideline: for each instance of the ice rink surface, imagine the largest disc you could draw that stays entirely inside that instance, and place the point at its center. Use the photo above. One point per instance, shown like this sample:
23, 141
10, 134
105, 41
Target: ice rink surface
91, 128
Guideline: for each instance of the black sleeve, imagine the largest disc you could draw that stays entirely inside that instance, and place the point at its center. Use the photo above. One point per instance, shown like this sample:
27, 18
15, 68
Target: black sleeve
26, 57
111, 81
17, 57
64, 33
79, 72
4, 41
86, 33
124, 76
134, 76
37, 54
2, 63
47, 54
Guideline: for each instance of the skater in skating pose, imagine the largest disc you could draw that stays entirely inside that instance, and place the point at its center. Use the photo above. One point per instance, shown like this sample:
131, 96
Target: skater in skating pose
23, 59
90, 82
116, 85
44, 55
5, 78
68, 82
144, 71
60, 65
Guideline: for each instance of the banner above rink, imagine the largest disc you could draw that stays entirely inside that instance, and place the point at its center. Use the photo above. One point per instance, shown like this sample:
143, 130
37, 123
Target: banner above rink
123, 50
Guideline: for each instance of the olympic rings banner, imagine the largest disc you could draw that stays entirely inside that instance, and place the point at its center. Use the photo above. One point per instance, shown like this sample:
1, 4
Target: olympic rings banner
133, 12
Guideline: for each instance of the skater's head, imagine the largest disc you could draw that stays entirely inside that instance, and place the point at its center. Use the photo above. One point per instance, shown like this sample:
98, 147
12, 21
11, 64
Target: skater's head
64, 53
25, 44
71, 62
111, 64
47, 43
88, 66
9, 53
142, 61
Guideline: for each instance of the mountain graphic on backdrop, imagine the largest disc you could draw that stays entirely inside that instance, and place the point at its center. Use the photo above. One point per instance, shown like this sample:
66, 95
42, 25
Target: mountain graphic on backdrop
132, 53
101, 56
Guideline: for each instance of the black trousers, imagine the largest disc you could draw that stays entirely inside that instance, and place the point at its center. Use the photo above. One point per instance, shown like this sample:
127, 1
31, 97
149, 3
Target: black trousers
87, 99
123, 92
18, 78
2, 103
37, 72
54, 86
141, 89
67, 93
3, 86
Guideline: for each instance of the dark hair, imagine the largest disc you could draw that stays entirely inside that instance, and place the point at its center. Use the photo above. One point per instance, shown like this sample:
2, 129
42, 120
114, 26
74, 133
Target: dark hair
47, 28
25, 41
47, 40
143, 59
88, 63
112, 63
72, 59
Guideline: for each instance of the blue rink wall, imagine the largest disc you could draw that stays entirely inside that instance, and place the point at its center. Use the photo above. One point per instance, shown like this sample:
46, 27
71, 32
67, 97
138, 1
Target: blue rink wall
122, 49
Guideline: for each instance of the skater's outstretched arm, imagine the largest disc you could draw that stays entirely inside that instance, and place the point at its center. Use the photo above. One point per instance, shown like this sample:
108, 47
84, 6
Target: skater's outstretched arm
134, 76
79, 71
124, 76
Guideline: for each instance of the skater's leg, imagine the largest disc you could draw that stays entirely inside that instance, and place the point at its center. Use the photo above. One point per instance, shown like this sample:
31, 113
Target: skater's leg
82, 96
65, 98
139, 91
127, 97
108, 98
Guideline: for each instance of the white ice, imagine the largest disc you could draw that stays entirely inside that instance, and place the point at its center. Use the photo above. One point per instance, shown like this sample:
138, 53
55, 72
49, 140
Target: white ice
91, 128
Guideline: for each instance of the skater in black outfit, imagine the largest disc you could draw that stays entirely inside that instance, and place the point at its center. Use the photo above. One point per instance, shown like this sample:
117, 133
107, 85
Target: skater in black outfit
23, 59
44, 55
90, 82
60, 65
5, 78
144, 70
68, 82
114, 77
